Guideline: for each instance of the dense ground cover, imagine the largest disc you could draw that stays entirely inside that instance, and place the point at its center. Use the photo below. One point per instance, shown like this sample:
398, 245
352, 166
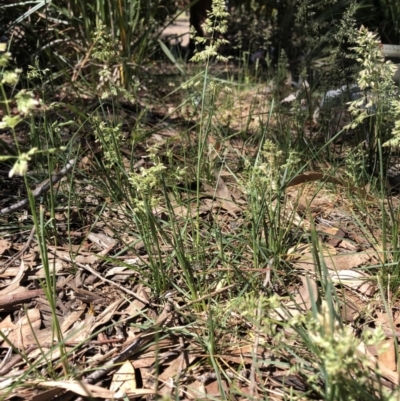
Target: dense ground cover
203, 230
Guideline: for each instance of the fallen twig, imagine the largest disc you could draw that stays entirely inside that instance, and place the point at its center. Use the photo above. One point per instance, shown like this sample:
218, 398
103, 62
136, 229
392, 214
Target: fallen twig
42, 188
13, 299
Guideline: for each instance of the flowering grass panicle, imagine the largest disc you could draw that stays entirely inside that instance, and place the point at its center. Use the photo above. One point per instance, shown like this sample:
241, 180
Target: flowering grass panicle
375, 76
215, 24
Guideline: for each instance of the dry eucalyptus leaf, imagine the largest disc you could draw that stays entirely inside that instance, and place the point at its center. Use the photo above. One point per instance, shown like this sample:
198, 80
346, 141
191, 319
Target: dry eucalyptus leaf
388, 356
225, 198
344, 261
383, 370
304, 295
4, 246
102, 240
55, 266
354, 279
20, 334
87, 259
82, 389
349, 246
124, 379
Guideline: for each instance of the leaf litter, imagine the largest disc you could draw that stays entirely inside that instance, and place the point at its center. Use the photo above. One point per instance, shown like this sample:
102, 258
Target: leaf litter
121, 340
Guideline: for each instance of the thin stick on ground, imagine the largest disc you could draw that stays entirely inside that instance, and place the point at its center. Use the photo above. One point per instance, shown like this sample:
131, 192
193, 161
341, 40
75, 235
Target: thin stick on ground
41, 189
